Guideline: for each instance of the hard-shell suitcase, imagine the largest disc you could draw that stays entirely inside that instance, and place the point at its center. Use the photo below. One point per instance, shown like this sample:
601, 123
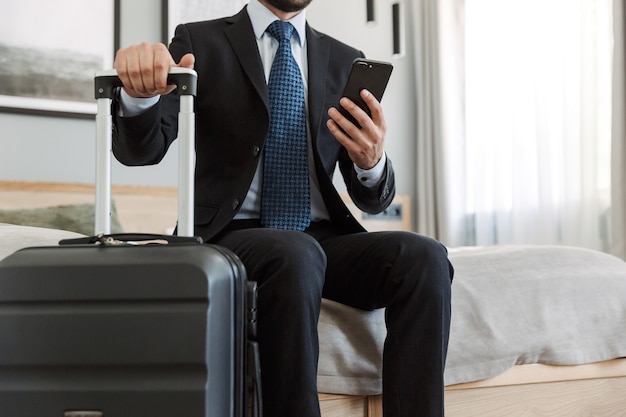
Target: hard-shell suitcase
117, 327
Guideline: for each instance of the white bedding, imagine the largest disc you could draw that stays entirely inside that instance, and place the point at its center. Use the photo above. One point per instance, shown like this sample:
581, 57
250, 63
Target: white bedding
14, 237
510, 305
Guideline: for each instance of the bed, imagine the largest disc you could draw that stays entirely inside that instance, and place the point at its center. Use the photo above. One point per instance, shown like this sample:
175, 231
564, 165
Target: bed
536, 330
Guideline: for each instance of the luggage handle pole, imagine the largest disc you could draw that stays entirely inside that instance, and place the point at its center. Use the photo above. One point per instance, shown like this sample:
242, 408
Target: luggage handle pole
104, 123
106, 83
186, 166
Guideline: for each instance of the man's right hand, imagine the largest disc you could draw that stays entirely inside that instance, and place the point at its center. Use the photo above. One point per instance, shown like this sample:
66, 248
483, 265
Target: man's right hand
143, 69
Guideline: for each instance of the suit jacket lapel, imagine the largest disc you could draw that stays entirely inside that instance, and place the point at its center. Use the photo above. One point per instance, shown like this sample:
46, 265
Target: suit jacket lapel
243, 42
318, 52
241, 37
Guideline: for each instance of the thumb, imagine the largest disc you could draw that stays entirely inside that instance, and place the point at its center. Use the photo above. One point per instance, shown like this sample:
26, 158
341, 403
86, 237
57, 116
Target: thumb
187, 61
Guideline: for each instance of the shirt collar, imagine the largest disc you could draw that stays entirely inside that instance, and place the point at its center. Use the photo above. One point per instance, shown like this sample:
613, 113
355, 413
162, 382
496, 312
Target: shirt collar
261, 17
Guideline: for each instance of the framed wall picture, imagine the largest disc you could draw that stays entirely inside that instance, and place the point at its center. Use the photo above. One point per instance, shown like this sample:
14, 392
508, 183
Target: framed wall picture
50, 51
176, 12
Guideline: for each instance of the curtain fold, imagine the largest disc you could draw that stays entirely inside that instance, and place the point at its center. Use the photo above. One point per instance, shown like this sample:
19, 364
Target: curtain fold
618, 146
428, 116
438, 32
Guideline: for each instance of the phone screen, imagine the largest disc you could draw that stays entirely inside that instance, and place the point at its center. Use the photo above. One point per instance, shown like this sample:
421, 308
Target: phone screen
366, 74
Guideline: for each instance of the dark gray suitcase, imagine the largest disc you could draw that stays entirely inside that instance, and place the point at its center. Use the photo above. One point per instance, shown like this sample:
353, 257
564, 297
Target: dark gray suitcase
111, 328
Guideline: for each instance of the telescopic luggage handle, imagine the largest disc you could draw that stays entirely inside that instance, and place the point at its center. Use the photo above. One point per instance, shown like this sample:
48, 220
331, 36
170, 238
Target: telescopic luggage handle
106, 83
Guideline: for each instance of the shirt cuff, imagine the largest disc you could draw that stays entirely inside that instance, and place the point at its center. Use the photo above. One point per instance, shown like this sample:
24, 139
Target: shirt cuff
134, 106
372, 177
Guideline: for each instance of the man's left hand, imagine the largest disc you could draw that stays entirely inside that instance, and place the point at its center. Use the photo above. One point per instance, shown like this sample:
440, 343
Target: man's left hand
365, 146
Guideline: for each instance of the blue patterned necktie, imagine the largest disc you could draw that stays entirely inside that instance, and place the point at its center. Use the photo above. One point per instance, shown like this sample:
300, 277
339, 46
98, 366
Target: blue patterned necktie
285, 200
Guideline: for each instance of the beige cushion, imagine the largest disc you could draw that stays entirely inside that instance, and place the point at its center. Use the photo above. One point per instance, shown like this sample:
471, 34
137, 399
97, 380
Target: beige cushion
14, 237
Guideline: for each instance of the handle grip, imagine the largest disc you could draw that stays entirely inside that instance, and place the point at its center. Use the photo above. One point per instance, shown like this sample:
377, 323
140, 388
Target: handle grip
185, 80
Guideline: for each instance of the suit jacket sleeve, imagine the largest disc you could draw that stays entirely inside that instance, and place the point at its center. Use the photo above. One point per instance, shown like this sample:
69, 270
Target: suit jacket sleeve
370, 200
146, 138
142, 139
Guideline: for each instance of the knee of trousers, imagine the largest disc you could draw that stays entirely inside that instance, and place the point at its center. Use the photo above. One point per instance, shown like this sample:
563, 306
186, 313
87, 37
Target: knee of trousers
292, 268
421, 263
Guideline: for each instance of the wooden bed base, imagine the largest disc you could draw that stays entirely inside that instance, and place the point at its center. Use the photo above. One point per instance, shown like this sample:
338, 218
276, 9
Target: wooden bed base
539, 390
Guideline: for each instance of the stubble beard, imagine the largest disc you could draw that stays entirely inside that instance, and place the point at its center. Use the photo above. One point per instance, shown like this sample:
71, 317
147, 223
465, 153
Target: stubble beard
289, 6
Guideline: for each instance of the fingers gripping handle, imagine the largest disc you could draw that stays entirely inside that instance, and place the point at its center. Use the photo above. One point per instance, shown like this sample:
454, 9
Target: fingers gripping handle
184, 79
106, 83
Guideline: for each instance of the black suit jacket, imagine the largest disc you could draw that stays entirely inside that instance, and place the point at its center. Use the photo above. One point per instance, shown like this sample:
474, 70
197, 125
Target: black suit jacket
232, 118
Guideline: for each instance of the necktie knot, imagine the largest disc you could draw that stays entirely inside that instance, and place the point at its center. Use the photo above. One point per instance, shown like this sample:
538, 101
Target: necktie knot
280, 30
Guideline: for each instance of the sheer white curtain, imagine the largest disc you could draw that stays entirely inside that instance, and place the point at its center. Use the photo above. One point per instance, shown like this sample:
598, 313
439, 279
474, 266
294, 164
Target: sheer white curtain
619, 133
527, 141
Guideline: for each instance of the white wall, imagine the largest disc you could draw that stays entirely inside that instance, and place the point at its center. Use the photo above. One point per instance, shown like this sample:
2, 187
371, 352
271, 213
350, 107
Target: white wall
59, 149
44, 148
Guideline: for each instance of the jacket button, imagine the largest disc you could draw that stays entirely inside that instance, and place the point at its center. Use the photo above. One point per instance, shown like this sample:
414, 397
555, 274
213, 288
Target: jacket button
235, 204
256, 151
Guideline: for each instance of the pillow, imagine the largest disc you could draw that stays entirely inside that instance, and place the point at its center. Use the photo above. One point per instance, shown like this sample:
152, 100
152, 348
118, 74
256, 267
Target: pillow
77, 218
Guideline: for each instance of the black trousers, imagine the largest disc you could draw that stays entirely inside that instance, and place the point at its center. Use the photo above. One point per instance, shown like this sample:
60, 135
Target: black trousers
406, 273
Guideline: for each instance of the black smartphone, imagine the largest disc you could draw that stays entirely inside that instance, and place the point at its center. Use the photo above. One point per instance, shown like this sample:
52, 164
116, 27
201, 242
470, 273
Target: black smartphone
365, 74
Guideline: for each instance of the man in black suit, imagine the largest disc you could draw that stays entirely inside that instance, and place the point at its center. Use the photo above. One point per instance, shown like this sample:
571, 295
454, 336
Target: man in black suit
334, 257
